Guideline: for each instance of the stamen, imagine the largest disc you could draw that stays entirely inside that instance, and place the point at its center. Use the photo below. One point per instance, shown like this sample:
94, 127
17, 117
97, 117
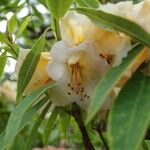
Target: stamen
82, 90
85, 95
69, 85
69, 93
75, 83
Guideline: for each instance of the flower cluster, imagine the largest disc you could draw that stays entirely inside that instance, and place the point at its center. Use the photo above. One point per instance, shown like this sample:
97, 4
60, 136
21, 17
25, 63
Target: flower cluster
85, 53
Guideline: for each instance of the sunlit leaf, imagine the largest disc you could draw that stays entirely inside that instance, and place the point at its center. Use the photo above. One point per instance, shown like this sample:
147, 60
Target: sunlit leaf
109, 80
18, 113
58, 8
130, 114
23, 26
118, 23
88, 3
4, 39
3, 60
11, 24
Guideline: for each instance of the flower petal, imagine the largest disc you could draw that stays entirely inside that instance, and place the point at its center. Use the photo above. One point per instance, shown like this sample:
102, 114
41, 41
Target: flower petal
56, 69
71, 28
138, 13
60, 52
40, 76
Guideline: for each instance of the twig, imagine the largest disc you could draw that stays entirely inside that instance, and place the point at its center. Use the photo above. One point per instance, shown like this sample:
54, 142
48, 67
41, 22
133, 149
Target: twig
99, 131
76, 113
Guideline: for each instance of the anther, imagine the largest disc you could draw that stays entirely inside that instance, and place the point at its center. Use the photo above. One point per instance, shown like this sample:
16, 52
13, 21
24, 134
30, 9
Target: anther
82, 91
68, 84
69, 93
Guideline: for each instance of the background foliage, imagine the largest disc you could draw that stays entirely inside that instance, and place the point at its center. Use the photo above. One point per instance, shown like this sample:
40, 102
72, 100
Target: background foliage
37, 28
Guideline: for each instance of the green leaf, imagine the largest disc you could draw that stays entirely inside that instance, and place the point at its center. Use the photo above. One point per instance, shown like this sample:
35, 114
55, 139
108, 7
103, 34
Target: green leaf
4, 39
49, 125
11, 24
147, 144
18, 113
3, 60
130, 114
58, 8
2, 140
23, 26
36, 125
29, 65
88, 3
36, 12
108, 81
31, 112
64, 121
118, 23
19, 143
43, 2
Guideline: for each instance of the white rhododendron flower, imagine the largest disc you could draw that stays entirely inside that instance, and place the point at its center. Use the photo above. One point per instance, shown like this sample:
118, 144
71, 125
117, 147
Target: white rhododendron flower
138, 13
76, 28
77, 70
39, 76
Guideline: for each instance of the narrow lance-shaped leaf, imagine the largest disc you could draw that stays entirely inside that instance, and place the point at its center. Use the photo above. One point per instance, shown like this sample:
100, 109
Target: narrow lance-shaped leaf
23, 26
118, 23
3, 60
64, 121
15, 120
36, 125
109, 80
2, 140
11, 24
4, 39
58, 8
29, 65
88, 3
31, 112
130, 114
49, 125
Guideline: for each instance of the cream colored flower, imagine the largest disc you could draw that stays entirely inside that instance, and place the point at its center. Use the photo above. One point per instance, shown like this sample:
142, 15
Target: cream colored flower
76, 70
76, 28
8, 90
139, 13
40, 76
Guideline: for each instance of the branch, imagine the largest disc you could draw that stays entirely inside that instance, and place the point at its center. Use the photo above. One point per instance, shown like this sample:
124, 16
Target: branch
76, 113
99, 128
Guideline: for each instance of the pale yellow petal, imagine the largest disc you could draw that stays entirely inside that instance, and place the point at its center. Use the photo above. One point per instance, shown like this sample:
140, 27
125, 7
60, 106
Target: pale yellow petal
40, 76
140, 58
